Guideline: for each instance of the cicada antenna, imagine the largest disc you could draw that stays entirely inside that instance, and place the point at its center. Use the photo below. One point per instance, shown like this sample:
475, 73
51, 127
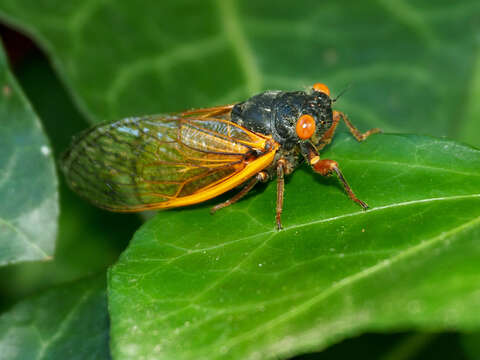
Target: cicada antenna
342, 92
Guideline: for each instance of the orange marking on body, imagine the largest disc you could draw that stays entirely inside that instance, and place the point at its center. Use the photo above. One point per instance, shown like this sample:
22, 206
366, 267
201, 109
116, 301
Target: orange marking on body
321, 88
314, 160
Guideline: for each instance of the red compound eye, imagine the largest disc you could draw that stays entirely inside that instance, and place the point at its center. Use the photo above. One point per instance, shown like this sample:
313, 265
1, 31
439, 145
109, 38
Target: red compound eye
321, 88
305, 126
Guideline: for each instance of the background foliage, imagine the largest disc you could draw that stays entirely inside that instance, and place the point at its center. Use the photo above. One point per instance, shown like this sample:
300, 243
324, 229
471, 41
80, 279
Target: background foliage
28, 185
413, 67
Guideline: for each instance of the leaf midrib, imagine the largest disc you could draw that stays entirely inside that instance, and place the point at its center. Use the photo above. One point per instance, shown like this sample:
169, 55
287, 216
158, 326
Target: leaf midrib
409, 165
65, 322
319, 221
236, 35
271, 234
25, 238
379, 208
385, 263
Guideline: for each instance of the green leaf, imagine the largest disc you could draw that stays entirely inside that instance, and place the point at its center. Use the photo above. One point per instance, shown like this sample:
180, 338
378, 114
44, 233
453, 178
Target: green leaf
411, 63
68, 322
89, 239
28, 183
229, 286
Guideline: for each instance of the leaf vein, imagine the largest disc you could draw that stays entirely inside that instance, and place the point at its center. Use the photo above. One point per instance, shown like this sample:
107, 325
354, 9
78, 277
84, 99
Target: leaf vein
25, 238
65, 322
351, 280
236, 36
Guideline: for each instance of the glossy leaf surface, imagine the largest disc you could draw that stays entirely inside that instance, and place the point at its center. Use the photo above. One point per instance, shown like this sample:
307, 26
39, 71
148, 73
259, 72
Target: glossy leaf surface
229, 286
28, 183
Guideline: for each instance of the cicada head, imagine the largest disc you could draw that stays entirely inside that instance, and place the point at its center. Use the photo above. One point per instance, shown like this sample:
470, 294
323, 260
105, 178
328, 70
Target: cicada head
303, 116
319, 107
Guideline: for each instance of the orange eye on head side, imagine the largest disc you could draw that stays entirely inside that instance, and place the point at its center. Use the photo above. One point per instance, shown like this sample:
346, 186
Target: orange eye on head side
305, 127
321, 88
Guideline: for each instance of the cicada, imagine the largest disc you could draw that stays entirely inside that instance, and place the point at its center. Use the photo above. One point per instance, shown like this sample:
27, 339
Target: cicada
167, 161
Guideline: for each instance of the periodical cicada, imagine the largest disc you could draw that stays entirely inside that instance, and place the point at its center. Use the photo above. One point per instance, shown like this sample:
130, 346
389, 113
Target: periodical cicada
166, 161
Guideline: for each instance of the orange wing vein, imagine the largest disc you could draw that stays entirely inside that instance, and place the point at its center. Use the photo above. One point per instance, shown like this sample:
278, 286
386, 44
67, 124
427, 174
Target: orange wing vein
165, 161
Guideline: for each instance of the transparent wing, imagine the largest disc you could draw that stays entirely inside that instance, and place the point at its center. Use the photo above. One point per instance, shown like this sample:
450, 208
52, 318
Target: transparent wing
163, 161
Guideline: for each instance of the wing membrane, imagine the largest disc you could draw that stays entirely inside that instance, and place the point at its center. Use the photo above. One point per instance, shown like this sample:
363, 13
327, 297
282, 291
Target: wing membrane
164, 161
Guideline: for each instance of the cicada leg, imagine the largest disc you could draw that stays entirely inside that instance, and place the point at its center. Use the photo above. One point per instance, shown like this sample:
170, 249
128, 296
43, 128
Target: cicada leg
326, 167
355, 132
262, 176
280, 191
337, 116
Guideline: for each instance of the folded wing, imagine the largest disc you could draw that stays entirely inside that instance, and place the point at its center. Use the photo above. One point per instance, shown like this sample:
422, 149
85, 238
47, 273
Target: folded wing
164, 161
